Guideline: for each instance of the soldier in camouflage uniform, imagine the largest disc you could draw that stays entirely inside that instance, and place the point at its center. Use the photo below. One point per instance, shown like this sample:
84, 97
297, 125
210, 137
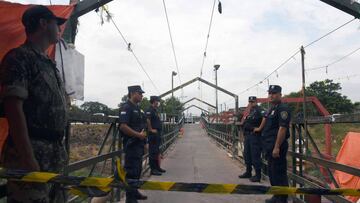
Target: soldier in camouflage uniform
34, 101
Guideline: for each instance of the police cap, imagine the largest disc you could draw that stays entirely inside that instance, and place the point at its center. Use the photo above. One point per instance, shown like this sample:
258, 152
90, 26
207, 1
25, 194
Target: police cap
135, 88
252, 99
274, 89
154, 98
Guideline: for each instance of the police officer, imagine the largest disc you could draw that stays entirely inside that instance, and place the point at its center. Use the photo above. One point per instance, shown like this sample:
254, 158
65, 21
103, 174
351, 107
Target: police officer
34, 101
132, 128
252, 142
274, 136
154, 128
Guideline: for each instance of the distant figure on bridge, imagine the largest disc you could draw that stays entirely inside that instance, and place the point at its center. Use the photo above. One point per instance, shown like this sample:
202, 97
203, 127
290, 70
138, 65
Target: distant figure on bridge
34, 100
132, 127
154, 128
274, 136
252, 142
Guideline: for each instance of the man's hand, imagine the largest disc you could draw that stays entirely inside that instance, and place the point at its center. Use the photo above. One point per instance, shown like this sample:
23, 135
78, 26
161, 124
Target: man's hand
256, 130
154, 131
142, 135
276, 152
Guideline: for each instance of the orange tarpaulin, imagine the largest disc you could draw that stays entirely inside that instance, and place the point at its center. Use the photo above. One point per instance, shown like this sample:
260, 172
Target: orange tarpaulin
349, 155
12, 32
4, 130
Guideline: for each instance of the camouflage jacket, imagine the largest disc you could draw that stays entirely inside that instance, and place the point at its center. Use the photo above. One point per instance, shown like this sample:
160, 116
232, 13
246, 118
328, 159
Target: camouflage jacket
28, 74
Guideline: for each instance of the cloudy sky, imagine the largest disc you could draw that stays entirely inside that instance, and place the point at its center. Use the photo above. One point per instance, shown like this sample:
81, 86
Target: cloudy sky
249, 40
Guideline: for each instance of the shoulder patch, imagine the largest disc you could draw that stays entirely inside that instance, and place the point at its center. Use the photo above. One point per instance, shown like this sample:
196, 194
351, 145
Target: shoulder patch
284, 115
123, 113
148, 112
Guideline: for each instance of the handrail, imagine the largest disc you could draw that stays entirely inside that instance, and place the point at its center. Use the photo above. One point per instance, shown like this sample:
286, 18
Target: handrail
90, 161
218, 137
326, 163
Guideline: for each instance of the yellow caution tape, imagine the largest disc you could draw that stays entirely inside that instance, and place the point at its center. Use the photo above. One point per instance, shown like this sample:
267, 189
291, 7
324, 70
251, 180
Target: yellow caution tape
97, 186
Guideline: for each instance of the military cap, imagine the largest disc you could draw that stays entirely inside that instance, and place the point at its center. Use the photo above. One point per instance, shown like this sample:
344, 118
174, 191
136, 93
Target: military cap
252, 99
33, 14
274, 89
135, 88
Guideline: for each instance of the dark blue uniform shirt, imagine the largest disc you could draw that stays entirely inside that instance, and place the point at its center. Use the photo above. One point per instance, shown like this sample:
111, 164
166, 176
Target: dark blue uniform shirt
154, 117
278, 116
253, 120
132, 115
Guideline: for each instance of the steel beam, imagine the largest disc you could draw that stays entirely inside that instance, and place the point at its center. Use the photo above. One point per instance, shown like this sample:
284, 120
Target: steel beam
84, 7
201, 80
194, 98
348, 6
195, 107
217, 87
178, 87
81, 8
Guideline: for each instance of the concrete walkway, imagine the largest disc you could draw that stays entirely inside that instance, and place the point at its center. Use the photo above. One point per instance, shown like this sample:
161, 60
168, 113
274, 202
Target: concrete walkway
196, 158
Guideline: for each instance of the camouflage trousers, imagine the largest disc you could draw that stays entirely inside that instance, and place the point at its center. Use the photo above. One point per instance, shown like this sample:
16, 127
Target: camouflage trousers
51, 157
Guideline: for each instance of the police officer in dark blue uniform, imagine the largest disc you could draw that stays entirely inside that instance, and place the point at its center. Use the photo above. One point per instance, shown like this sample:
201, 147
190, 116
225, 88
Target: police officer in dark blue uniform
252, 142
132, 127
154, 129
275, 144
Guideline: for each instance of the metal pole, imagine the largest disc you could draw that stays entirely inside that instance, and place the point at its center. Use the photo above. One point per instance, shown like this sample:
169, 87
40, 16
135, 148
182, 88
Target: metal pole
172, 84
268, 83
216, 95
304, 96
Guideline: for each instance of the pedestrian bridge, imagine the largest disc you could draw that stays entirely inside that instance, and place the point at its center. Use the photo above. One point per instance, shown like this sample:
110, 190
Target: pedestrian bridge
196, 157
200, 156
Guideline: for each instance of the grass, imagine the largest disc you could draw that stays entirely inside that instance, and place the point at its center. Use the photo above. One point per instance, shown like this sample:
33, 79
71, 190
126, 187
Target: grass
338, 132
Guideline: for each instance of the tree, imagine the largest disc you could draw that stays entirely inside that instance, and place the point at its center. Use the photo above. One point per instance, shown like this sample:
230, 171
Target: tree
123, 100
95, 107
76, 112
145, 104
328, 93
172, 106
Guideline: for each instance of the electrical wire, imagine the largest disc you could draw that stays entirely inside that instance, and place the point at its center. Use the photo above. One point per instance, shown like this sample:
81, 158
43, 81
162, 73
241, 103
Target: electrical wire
297, 52
172, 41
129, 48
334, 62
207, 39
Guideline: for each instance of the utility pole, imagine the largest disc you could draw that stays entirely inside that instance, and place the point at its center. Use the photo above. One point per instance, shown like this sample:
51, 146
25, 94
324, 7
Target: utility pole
268, 85
216, 68
172, 83
304, 96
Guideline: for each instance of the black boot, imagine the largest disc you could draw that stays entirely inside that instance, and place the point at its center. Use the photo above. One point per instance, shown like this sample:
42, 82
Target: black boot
155, 172
271, 200
256, 177
277, 199
161, 170
247, 173
131, 197
140, 196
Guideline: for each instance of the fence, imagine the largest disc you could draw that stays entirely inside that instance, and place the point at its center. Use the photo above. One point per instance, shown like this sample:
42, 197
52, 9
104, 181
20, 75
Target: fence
297, 156
110, 148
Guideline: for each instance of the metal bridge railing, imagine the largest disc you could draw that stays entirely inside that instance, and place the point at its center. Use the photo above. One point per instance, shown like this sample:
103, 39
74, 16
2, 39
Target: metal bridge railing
297, 157
103, 164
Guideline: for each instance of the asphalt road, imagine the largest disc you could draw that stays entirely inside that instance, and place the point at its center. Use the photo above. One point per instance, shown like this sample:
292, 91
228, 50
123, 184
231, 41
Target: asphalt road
196, 158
